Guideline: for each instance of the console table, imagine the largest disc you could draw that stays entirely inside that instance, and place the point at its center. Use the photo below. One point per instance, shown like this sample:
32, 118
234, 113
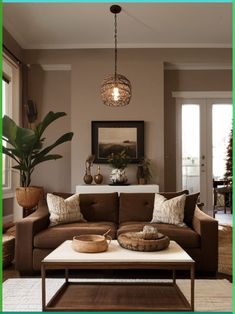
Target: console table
93, 188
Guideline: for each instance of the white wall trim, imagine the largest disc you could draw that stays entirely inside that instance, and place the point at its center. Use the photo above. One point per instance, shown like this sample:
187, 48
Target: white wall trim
56, 67
197, 66
207, 94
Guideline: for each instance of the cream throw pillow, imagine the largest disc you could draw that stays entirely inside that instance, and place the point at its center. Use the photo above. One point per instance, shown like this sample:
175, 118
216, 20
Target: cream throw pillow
64, 210
169, 211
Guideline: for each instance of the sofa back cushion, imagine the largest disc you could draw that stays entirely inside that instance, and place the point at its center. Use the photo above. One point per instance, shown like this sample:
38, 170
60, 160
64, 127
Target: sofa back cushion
99, 207
139, 206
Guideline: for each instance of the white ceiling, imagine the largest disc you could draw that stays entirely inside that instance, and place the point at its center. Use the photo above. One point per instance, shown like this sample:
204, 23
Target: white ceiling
90, 25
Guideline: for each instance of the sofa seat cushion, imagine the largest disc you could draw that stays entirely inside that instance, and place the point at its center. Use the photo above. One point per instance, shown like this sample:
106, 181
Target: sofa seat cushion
54, 236
184, 236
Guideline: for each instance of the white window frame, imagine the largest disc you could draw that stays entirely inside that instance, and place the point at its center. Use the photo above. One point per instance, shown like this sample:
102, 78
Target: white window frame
11, 71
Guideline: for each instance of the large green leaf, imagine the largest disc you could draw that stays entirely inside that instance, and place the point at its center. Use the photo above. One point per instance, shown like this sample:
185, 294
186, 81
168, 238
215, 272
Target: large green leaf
25, 139
45, 158
16, 152
7, 152
49, 118
64, 138
20, 138
26, 145
9, 130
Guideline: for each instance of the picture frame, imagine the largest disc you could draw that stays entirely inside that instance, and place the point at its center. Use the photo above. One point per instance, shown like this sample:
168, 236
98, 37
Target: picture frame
114, 136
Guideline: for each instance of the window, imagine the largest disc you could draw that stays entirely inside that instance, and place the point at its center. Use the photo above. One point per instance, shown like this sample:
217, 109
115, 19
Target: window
10, 107
6, 163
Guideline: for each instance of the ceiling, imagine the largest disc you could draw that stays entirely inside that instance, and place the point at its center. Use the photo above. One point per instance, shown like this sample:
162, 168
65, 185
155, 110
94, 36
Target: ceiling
140, 25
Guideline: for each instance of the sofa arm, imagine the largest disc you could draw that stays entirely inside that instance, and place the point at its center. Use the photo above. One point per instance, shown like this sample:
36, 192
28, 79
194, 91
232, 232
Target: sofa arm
207, 228
25, 231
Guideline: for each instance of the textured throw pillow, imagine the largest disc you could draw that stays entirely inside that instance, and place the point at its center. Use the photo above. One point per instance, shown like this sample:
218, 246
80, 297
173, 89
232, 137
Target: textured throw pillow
169, 211
189, 208
64, 210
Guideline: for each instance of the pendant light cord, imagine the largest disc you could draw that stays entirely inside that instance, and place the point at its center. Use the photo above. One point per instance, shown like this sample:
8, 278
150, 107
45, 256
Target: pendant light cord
115, 41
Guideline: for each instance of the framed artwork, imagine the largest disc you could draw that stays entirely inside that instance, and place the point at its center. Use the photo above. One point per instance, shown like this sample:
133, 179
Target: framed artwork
115, 136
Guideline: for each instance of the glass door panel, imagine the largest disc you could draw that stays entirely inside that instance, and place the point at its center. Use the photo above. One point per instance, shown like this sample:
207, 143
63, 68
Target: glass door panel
190, 120
221, 127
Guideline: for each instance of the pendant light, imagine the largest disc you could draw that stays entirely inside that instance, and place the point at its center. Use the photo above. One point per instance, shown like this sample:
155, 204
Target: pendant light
116, 89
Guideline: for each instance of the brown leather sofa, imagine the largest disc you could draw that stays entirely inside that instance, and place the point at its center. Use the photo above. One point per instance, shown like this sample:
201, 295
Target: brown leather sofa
129, 212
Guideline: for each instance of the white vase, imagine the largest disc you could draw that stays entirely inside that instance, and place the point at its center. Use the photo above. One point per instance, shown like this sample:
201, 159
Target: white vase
118, 176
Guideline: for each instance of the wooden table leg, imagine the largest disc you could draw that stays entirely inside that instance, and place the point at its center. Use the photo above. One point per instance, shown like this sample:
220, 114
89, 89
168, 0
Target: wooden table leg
173, 273
43, 275
192, 275
66, 275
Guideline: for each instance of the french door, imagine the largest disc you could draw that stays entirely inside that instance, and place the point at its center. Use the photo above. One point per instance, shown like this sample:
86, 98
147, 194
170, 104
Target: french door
203, 128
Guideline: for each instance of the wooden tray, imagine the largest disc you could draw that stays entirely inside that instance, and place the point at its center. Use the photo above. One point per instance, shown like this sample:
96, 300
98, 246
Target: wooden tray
131, 241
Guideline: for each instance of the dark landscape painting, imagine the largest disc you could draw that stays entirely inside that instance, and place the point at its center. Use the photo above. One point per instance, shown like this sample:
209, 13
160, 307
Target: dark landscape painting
111, 137
115, 140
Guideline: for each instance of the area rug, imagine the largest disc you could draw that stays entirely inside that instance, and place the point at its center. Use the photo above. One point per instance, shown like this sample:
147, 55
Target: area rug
225, 249
24, 295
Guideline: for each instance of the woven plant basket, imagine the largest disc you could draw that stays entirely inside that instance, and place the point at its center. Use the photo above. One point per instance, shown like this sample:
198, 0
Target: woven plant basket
28, 197
131, 241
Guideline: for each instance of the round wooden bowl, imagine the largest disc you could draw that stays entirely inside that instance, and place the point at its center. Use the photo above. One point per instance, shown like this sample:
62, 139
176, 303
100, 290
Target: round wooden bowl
91, 243
131, 241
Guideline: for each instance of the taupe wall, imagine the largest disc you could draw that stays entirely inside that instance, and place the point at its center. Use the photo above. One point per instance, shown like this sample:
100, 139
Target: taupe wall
54, 95
146, 77
210, 80
88, 71
144, 68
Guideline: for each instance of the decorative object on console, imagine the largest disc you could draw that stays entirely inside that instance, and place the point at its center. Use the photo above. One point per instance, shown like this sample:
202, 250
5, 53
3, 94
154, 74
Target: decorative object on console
119, 161
115, 136
89, 163
25, 147
143, 171
64, 210
98, 177
116, 89
169, 211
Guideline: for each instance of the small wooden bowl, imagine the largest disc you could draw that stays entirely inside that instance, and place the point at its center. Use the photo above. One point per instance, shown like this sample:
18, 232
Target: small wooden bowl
91, 243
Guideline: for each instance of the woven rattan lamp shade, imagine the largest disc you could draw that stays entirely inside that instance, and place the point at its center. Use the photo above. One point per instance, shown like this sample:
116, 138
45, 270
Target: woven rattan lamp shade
121, 85
116, 89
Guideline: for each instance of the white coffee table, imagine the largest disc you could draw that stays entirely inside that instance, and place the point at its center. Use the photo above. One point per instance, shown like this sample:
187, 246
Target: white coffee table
121, 296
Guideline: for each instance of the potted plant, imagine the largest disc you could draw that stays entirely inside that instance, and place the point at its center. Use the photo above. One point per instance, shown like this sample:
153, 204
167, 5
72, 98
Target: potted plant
119, 162
143, 171
25, 147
